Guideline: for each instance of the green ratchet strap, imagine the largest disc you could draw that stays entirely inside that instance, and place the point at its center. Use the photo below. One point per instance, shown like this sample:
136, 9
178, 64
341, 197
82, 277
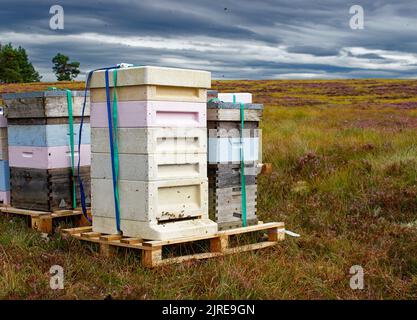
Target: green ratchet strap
242, 158
242, 162
115, 136
71, 129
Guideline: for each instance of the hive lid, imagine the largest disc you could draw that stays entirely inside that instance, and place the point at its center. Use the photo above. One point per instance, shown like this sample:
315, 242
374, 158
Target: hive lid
147, 75
241, 97
231, 105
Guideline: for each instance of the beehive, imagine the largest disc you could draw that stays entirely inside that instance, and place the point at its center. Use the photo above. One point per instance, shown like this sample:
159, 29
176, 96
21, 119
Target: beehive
162, 143
4, 163
224, 157
39, 151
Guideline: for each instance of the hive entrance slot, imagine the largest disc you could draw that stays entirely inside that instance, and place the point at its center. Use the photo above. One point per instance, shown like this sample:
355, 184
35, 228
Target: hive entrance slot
177, 220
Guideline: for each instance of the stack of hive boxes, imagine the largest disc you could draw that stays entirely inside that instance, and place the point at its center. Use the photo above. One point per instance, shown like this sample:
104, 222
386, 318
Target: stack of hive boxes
162, 147
224, 158
39, 149
4, 163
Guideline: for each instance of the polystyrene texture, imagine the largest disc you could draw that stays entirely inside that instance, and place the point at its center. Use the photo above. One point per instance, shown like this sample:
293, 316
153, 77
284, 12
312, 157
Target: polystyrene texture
148, 75
151, 201
150, 167
152, 140
151, 92
139, 114
153, 230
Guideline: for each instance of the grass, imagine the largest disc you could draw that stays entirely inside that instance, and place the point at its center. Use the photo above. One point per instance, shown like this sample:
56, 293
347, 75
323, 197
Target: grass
345, 166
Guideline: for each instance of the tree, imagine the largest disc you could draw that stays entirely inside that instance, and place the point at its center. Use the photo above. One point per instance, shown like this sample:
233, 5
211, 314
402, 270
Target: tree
63, 69
15, 65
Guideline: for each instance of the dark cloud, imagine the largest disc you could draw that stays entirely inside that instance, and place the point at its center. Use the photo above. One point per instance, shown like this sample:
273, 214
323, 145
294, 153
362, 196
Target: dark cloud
233, 39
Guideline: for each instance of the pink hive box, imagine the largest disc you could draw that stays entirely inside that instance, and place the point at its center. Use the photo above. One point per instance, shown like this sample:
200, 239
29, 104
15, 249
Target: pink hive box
47, 157
137, 114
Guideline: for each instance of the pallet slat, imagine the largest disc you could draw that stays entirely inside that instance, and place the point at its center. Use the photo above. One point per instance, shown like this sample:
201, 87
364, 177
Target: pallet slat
77, 230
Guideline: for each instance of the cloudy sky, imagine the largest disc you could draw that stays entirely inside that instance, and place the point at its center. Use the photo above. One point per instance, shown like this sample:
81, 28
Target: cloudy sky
297, 39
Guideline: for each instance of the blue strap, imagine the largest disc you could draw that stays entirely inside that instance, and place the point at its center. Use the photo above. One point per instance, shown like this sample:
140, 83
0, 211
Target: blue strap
113, 166
80, 183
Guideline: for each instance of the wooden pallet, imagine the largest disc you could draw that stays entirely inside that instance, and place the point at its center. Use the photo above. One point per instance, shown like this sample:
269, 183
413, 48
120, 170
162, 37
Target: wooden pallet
43, 221
220, 243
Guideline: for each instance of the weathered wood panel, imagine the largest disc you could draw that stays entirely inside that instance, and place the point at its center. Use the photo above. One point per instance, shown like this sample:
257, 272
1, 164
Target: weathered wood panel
233, 115
3, 119
46, 190
225, 205
216, 104
43, 105
225, 129
4, 155
228, 175
50, 135
45, 121
236, 224
225, 194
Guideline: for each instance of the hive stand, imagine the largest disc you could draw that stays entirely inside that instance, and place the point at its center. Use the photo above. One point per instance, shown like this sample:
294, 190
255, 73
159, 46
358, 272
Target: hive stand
43, 221
220, 244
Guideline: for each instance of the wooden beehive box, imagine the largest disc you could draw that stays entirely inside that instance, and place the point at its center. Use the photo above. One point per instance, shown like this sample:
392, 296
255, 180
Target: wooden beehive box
224, 157
39, 149
46, 189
